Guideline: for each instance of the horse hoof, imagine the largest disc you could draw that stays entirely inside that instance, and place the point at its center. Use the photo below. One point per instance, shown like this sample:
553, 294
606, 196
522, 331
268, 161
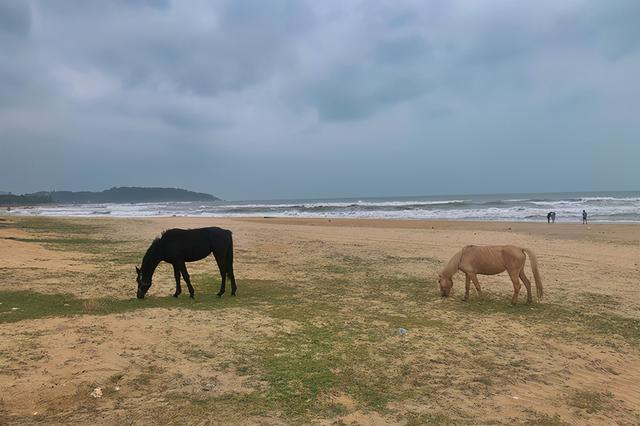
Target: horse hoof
192, 296
176, 295
233, 294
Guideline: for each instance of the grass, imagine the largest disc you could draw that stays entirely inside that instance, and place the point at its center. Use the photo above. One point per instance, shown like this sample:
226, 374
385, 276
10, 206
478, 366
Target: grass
76, 244
24, 305
48, 225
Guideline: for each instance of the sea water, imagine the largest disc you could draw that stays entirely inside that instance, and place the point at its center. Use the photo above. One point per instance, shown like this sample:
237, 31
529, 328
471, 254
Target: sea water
600, 206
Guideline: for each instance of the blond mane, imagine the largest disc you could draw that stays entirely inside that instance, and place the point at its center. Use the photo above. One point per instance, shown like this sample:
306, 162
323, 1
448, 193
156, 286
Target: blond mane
452, 267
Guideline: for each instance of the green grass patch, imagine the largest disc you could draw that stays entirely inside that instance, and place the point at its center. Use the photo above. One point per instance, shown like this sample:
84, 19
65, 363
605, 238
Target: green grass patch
77, 244
23, 305
298, 369
57, 226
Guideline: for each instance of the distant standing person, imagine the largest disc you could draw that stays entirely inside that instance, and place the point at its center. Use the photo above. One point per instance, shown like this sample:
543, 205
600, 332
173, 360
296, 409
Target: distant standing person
551, 217
584, 217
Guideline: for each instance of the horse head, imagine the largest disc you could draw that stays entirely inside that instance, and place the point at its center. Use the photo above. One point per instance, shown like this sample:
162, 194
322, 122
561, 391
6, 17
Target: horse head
445, 285
143, 285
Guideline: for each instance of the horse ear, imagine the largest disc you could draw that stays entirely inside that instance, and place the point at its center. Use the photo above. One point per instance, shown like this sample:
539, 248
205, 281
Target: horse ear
137, 270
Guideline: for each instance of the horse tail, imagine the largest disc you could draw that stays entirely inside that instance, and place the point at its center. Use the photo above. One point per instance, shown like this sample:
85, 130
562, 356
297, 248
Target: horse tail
534, 268
229, 257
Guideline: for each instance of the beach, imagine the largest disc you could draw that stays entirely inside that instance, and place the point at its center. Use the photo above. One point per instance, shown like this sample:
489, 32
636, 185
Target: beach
336, 320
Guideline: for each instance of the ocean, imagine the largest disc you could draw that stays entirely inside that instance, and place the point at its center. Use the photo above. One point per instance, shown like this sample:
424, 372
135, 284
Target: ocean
529, 207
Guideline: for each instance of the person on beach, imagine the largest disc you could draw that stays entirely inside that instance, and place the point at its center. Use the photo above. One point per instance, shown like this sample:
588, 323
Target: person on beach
551, 217
584, 217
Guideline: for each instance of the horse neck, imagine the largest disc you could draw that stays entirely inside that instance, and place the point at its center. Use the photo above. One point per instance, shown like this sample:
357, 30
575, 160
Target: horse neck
452, 266
150, 261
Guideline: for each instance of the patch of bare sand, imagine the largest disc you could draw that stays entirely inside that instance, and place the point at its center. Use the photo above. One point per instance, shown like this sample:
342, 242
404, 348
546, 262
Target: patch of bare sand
564, 370
29, 255
139, 360
362, 418
498, 372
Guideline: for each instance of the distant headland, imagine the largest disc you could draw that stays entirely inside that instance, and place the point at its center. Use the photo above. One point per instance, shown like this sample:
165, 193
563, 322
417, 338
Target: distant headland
113, 195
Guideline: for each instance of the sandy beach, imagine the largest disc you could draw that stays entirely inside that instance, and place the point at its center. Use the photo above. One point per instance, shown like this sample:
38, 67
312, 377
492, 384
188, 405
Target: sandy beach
313, 335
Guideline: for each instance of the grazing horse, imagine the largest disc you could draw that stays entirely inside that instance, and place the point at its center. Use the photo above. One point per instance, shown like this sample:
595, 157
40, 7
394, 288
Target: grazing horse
177, 246
491, 260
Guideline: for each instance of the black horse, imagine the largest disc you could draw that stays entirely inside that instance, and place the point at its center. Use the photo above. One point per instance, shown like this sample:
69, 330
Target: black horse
177, 246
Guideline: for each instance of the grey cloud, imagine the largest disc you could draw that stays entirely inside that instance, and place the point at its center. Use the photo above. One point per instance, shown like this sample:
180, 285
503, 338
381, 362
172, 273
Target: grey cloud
95, 94
15, 18
244, 44
613, 26
356, 92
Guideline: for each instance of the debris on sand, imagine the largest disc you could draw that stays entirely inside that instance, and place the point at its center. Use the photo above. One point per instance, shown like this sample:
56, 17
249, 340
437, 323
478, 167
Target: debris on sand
97, 393
402, 331
15, 309
208, 387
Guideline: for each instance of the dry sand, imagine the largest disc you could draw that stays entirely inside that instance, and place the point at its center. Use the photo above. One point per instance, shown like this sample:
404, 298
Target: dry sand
48, 367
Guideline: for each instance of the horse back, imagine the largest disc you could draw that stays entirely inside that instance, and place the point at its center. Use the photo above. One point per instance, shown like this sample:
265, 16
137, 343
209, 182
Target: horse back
194, 244
490, 260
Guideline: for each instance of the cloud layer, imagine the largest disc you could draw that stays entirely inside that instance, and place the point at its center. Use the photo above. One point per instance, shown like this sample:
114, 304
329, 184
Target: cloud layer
255, 99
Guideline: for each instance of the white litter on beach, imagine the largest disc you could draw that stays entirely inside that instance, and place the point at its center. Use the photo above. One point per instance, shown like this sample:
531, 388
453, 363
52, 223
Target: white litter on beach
97, 393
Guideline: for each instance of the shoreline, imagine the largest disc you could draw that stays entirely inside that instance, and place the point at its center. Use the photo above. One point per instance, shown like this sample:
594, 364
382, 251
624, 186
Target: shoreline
625, 233
6, 213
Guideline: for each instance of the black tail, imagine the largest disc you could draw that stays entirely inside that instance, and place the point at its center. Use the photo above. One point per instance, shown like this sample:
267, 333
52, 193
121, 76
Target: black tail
229, 258
229, 266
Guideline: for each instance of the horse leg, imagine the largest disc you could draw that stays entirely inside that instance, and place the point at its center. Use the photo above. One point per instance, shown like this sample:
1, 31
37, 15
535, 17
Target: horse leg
476, 283
185, 275
467, 284
176, 274
527, 284
223, 274
516, 286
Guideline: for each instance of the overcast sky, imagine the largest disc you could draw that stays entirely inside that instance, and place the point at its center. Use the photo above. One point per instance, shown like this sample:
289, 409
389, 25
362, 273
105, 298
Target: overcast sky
281, 99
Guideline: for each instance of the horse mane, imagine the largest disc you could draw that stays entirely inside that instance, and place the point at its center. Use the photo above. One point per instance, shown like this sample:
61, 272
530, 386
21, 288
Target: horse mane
452, 266
155, 242
152, 250
157, 239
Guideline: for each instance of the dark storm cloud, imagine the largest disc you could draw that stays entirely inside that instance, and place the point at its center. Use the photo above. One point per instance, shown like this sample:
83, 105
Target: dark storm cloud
374, 93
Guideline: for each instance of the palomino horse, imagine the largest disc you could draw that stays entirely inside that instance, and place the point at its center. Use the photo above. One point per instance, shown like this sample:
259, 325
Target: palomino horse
491, 260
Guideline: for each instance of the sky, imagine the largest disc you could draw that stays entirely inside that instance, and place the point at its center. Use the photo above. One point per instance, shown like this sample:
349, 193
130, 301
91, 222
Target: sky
254, 99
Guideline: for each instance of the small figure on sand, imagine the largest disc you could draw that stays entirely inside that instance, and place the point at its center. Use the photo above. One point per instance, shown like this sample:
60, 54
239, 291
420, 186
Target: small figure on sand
584, 217
551, 217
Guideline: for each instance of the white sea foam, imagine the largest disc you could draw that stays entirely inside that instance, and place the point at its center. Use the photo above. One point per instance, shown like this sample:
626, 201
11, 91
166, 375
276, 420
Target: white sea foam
529, 207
